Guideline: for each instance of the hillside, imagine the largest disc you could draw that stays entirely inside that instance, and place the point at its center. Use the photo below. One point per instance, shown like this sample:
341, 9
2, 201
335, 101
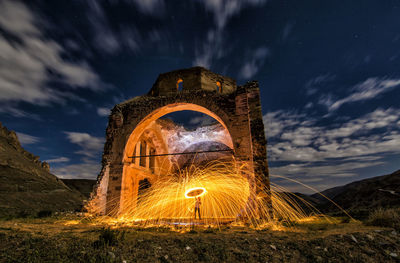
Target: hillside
84, 186
26, 185
362, 196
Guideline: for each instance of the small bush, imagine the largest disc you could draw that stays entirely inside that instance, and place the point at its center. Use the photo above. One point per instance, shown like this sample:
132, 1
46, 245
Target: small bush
23, 214
385, 218
109, 237
44, 213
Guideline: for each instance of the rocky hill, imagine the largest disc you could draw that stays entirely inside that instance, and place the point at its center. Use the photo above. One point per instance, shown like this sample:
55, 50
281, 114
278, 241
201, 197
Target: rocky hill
360, 197
26, 185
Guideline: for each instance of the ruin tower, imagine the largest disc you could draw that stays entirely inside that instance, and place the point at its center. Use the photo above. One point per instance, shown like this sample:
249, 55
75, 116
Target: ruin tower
131, 132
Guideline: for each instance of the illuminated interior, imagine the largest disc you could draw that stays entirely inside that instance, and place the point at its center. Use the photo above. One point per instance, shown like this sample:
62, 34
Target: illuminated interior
159, 149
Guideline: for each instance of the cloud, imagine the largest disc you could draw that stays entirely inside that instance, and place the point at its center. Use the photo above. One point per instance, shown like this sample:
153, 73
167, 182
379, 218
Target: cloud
275, 122
29, 61
222, 10
25, 139
369, 89
153, 7
322, 171
254, 62
12, 109
314, 84
105, 38
309, 105
91, 146
88, 169
149, 7
103, 112
202, 121
303, 148
58, 160
212, 48
287, 30
298, 138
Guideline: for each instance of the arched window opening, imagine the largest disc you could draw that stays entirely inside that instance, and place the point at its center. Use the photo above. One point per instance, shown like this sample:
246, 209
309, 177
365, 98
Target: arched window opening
134, 154
219, 87
152, 159
144, 185
179, 85
143, 146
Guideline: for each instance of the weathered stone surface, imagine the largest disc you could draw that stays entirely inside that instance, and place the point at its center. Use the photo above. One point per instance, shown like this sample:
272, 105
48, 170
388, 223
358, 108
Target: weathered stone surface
236, 108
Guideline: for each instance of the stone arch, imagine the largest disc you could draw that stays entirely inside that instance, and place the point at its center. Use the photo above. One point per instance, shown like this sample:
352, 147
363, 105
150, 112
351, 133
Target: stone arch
158, 113
129, 185
237, 108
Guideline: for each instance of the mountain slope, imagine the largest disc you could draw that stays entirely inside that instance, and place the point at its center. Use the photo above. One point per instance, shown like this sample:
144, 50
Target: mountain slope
84, 186
381, 191
26, 185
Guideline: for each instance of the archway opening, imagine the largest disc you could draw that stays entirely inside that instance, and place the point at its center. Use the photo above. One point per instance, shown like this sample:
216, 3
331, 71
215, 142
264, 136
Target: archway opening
131, 146
194, 139
175, 148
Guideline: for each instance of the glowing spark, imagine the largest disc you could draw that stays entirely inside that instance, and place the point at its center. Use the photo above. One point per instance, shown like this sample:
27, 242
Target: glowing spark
195, 192
229, 199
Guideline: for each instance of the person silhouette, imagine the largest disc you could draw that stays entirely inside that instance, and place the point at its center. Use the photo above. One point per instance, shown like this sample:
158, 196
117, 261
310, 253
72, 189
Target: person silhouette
197, 207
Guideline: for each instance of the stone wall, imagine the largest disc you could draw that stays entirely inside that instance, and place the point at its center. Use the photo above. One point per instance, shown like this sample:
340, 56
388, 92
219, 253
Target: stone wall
236, 108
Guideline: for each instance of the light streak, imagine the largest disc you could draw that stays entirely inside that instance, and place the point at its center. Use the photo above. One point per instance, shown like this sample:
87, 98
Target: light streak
228, 197
195, 192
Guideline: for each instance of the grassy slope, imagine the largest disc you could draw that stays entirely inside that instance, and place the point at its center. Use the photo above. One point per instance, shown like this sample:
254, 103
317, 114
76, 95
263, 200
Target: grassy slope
51, 240
26, 188
23, 194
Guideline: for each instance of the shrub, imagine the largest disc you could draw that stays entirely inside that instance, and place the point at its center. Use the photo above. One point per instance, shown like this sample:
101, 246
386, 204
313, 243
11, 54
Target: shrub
109, 237
44, 213
385, 218
23, 214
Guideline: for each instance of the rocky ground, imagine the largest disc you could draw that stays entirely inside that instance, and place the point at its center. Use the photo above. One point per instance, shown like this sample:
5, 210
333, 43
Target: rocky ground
71, 239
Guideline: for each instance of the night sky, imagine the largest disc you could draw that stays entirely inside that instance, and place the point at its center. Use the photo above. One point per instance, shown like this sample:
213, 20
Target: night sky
328, 74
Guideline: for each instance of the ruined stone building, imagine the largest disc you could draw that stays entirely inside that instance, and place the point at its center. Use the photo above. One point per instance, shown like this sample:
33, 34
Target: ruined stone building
134, 129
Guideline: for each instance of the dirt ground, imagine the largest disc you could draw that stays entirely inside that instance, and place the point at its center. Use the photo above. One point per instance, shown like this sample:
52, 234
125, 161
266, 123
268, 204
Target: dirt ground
73, 239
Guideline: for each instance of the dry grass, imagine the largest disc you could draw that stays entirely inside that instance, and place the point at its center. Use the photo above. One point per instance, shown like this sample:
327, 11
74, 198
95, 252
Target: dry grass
385, 218
73, 239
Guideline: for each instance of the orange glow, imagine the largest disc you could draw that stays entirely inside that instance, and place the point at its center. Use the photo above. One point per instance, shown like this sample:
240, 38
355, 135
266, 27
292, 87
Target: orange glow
227, 198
